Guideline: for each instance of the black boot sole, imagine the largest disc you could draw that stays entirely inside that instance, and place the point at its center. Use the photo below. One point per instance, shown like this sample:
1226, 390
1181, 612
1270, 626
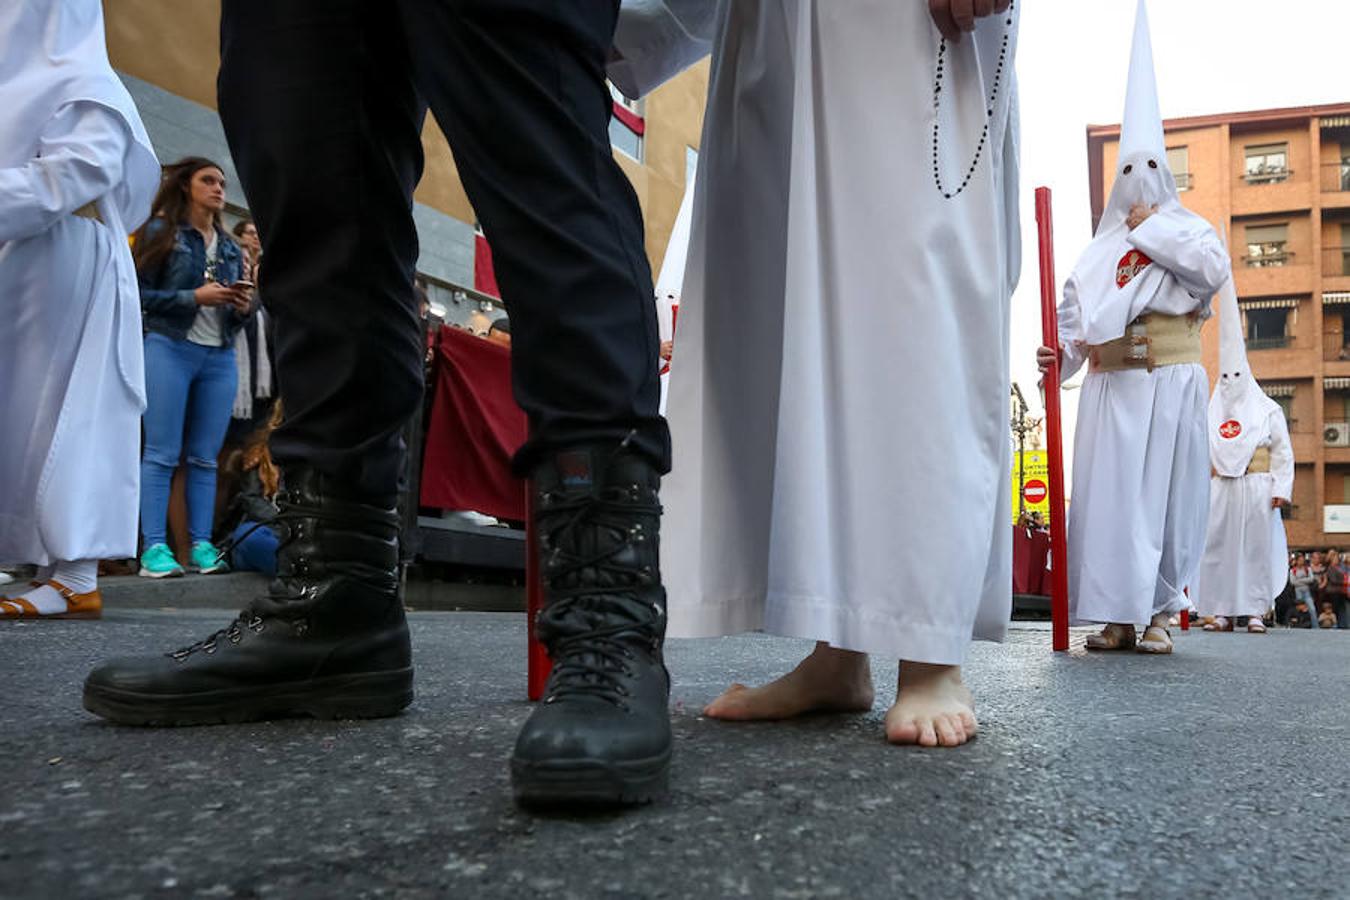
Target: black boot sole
590, 782
368, 695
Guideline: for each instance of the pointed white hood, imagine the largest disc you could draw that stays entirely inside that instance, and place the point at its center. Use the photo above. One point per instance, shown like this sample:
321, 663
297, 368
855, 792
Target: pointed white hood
1115, 281
1238, 408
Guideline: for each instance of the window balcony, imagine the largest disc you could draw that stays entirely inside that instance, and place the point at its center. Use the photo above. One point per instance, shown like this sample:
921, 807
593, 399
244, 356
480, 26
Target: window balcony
1264, 256
1268, 343
1335, 262
1335, 177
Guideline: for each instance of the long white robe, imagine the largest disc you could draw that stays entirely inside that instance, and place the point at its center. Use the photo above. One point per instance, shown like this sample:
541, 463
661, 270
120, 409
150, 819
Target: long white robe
1246, 561
1140, 498
72, 384
839, 398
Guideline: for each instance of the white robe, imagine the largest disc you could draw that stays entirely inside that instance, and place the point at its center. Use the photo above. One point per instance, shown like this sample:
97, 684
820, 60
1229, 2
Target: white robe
71, 382
1140, 497
1246, 562
839, 399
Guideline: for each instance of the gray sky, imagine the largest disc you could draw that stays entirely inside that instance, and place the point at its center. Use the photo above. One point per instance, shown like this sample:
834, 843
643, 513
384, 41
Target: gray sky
1211, 56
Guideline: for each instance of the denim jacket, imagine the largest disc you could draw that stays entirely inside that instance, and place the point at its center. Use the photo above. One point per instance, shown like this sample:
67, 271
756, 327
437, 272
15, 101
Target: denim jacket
167, 302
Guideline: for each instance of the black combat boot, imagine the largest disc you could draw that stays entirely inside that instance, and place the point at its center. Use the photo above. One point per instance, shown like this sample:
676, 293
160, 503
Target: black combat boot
602, 733
329, 640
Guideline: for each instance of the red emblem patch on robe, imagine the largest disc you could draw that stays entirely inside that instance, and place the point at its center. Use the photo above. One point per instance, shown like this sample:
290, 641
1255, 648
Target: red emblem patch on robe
1130, 265
1230, 429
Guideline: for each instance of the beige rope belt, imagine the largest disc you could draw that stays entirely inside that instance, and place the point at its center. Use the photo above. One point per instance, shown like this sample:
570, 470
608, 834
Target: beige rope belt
1260, 461
1150, 341
89, 211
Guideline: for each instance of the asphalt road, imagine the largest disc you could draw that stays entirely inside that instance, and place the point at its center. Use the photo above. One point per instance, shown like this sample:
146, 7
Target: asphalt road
1221, 770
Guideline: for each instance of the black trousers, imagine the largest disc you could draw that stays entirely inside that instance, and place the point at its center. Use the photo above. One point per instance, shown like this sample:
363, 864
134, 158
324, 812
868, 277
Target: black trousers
323, 103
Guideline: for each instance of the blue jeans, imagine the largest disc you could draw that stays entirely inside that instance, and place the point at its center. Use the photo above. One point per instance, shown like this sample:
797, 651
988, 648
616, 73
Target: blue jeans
256, 552
190, 393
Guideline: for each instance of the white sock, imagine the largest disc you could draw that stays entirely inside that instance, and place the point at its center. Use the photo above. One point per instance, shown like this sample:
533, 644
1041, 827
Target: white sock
81, 576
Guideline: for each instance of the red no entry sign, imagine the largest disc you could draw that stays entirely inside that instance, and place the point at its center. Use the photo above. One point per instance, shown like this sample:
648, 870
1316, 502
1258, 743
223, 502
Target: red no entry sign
1035, 491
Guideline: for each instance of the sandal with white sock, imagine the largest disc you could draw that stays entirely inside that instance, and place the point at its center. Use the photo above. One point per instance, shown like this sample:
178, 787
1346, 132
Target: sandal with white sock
77, 606
1255, 625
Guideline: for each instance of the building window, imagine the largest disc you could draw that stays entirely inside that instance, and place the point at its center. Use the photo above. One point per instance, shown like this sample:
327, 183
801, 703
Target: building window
1178, 160
626, 131
1267, 329
1286, 405
1267, 163
1267, 245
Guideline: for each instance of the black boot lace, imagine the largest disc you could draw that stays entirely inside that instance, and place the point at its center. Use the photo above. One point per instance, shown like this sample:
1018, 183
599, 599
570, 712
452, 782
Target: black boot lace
595, 620
291, 521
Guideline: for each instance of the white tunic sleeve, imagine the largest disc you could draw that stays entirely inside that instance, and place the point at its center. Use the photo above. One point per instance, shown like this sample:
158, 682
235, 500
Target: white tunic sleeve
1281, 458
1188, 248
79, 159
1070, 318
655, 40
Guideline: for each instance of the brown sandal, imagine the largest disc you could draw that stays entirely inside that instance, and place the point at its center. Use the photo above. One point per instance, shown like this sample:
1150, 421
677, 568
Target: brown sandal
1112, 637
78, 606
1156, 639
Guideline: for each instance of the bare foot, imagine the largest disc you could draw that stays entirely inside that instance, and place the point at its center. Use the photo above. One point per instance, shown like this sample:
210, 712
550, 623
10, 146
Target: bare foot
829, 680
933, 707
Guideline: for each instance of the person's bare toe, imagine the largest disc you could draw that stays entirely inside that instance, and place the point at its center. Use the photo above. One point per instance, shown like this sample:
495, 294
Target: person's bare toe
933, 707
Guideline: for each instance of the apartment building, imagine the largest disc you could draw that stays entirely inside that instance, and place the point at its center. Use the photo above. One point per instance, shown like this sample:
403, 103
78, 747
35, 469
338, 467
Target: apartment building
1277, 181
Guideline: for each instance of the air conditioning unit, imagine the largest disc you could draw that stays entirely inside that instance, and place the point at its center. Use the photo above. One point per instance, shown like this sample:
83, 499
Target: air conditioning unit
1336, 434
1336, 519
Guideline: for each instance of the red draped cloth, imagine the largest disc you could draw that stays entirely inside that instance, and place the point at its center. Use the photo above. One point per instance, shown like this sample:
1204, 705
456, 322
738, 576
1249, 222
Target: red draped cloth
1030, 551
475, 429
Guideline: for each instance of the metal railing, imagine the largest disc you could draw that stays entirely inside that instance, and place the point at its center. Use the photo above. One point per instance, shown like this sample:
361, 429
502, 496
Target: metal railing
1335, 176
1268, 259
1185, 180
1267, 175
1268, 343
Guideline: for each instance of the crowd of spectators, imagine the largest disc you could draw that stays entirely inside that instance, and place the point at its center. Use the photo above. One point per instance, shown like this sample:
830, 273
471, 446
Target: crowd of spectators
1316, 595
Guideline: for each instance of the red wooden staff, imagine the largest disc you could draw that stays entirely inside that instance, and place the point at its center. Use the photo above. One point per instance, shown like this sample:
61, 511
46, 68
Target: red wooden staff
1054, 435
539, 664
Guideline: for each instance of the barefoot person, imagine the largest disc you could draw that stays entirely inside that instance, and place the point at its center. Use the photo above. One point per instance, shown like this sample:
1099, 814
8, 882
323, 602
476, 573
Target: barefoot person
1246, 562
76, 176
1132, 310
867, 375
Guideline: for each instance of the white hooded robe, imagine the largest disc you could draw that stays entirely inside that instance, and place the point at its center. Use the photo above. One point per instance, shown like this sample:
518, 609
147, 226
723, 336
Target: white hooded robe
1246, 562
1139, 500
71, 371
839, 398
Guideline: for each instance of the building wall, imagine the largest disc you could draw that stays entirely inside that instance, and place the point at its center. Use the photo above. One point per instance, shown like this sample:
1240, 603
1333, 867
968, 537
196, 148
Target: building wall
168, 55
1317, 212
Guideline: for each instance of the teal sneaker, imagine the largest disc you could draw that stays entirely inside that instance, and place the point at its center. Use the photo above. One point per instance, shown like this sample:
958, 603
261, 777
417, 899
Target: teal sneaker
157, 562
207, 559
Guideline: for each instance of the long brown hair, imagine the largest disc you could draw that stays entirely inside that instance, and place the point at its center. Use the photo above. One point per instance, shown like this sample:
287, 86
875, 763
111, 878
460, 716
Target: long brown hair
257, 454
171, 206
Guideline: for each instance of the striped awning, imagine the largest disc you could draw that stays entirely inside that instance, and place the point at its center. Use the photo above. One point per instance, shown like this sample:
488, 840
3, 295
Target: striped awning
1278, 390
1336, 121
1281, 303
1335, 298
1336, 384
